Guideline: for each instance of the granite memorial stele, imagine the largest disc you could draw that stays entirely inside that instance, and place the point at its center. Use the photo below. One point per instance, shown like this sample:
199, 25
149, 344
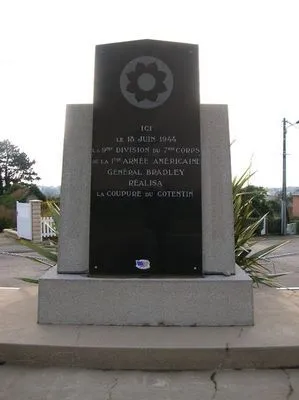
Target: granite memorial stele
146, 179
146, 233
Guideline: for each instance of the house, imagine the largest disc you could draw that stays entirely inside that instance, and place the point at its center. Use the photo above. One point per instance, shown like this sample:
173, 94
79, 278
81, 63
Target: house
296, 204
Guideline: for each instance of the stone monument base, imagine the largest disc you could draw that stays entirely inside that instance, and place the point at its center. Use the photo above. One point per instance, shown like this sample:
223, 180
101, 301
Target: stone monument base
214, 300
220, 299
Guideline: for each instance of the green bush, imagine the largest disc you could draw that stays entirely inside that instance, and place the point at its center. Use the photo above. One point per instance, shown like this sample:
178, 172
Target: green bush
6, 223
8, 201
274, 226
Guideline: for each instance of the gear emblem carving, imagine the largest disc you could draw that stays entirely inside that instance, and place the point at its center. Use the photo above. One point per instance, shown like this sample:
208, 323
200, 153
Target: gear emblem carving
146, 82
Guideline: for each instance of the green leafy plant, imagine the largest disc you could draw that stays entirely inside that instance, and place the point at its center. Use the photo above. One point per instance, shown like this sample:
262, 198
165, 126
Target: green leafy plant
253, 263
49, 253
29, 280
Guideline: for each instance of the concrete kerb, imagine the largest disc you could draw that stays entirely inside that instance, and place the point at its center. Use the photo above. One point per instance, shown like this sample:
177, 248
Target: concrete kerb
11, 233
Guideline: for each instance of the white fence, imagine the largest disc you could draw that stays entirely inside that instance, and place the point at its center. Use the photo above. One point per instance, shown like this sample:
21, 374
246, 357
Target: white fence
48, 227
24, 220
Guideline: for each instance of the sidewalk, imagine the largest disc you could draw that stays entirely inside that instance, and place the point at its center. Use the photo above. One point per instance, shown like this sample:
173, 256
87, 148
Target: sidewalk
20, 383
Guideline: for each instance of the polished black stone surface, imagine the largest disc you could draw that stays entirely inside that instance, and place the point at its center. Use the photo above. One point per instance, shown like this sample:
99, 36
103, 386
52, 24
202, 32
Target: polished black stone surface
146, 174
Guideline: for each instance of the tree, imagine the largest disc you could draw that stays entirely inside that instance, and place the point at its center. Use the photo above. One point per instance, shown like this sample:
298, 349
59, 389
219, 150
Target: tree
15, 167
259, 200
274, 208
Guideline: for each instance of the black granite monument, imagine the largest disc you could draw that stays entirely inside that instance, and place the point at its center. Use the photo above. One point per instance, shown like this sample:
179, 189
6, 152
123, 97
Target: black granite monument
146, 171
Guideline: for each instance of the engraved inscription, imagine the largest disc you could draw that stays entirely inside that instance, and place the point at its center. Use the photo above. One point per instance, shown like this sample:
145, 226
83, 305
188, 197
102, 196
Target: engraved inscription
146, 160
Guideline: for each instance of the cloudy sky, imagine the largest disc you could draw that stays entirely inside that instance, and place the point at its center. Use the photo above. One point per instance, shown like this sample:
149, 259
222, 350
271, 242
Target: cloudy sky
249, 59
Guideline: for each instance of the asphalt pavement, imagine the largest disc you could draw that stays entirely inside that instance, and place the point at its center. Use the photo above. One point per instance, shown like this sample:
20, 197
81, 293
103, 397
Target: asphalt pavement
18, 262
283, 260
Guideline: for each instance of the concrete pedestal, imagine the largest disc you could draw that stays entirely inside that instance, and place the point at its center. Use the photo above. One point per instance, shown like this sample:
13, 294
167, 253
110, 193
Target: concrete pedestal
211, 301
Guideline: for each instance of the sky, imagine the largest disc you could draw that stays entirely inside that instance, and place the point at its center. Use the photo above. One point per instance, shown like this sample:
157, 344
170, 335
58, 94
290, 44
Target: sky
248, 59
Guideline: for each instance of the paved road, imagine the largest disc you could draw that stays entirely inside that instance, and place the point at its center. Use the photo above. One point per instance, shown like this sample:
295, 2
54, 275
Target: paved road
17, 383
15, 267
285, 259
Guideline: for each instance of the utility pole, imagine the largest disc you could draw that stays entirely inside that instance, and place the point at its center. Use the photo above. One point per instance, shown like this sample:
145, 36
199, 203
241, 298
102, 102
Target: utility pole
284, 176
284, 181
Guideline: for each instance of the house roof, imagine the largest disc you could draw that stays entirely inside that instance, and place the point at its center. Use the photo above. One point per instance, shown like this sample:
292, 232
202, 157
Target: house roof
23, 193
